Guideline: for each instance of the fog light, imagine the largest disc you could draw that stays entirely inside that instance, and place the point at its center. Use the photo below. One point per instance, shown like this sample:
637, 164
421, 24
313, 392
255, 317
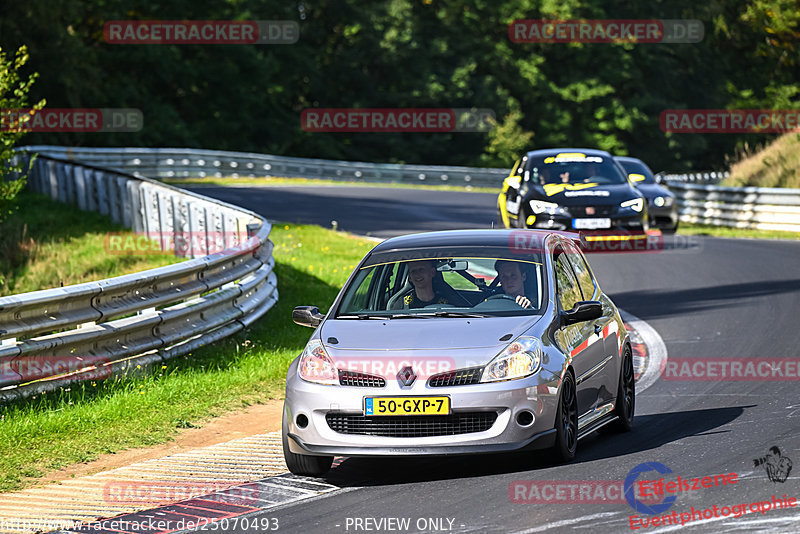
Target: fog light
524, 418
302, 421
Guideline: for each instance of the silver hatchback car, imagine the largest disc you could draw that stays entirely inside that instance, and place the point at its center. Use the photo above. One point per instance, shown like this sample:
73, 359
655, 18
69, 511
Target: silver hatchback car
459, 342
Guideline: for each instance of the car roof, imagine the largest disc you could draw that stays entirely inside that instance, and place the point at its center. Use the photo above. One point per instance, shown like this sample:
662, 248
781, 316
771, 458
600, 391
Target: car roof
455, 238
628, 158
553, 151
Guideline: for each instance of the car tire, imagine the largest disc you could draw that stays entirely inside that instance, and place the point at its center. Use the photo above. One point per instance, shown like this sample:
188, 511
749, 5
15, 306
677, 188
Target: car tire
305, 465
626, 394
567, 420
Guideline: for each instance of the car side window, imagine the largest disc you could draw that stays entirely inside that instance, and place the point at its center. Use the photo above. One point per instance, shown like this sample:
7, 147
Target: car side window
585, 279
567, 289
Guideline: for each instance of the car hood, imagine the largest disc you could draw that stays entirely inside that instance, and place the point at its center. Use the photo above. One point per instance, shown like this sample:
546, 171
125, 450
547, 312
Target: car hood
654, 190
583, 194
438, 334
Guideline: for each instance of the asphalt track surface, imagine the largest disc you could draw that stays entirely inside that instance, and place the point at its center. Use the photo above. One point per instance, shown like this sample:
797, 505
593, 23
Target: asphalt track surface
728, 299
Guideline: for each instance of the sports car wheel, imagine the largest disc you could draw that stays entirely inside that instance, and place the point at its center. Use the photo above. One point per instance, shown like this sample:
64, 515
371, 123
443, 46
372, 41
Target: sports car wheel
626, 394
567, 421
300, 464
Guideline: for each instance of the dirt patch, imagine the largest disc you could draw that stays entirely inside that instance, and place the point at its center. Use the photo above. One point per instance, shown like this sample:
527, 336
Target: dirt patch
256, 419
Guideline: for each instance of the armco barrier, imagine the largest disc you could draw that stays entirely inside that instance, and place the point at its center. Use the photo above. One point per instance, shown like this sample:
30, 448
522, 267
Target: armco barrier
193, 163
740, 207
118, 324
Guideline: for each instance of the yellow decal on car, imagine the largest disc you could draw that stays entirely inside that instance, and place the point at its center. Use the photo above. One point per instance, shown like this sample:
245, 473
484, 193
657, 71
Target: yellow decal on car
566, 157
636, 177
553, 189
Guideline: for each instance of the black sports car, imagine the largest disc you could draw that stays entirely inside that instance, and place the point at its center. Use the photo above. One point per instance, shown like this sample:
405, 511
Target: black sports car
571, 189
661, 205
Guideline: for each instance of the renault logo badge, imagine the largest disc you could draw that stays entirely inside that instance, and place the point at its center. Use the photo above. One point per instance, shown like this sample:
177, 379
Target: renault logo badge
406, 376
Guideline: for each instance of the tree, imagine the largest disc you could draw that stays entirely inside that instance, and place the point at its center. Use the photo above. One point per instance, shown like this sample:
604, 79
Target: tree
13, 97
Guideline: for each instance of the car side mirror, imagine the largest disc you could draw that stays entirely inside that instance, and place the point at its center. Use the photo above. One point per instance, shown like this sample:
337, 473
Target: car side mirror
307, 316
586, 310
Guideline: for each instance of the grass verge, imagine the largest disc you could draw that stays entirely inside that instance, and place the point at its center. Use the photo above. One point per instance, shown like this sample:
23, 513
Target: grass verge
250, 182
775, 165
724, 231
46, 244
89, 419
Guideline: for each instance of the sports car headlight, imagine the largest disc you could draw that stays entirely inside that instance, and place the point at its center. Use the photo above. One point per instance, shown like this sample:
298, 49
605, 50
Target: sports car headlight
669, 201
636, 204
540, 206
658, 202
521, 358
316, 366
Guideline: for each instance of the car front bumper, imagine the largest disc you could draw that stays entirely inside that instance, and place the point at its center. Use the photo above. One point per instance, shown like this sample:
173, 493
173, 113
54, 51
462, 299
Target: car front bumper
545, 221
507, 399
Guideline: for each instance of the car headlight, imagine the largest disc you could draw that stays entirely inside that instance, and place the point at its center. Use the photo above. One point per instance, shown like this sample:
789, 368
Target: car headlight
659, 202
669, 201
316, 366
636, 204
539, 206
521, 358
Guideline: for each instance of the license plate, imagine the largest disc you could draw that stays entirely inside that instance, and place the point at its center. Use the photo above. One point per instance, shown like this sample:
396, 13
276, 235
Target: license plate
406, 405
591, 224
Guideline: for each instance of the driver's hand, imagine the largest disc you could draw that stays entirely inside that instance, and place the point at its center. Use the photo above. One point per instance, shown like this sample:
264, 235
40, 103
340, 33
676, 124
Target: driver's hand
523, 301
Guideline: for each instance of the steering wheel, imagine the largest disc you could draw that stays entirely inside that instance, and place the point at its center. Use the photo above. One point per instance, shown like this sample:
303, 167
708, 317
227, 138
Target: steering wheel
502, 296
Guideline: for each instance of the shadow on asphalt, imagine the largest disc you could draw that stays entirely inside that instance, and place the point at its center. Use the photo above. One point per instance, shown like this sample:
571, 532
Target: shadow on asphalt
650, 432
674, 302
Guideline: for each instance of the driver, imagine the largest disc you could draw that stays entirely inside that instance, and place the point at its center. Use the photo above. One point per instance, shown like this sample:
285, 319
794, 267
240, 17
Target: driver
420, 274
512, 281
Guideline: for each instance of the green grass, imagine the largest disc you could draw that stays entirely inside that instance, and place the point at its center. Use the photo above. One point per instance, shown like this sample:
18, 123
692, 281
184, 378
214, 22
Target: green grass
48, 244
724, 231
313, 181
67, 427
774, 165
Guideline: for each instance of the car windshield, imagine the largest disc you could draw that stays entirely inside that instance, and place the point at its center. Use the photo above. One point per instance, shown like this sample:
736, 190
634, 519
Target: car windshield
445, 283
574, 168
643, 172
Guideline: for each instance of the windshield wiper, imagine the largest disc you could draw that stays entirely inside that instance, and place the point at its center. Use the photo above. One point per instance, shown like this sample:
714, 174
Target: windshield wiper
444, 313
378, 316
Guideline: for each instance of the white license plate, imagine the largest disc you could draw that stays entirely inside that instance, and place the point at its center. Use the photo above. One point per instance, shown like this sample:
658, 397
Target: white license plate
591, 224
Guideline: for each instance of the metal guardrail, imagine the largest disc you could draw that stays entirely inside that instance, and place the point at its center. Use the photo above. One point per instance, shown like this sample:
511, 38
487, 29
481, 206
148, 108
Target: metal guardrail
740, 207
118, 324
194, 163
706, 178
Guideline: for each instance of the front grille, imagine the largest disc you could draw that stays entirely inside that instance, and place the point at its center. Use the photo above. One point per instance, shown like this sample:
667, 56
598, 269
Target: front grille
411, 426
599, 211
361, 380
459, 377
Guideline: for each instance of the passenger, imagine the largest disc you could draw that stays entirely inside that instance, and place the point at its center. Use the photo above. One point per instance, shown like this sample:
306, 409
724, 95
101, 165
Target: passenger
421, 274
512, 281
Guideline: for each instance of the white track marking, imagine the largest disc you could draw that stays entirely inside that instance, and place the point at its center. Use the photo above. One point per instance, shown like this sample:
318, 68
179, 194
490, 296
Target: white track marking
656, 350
